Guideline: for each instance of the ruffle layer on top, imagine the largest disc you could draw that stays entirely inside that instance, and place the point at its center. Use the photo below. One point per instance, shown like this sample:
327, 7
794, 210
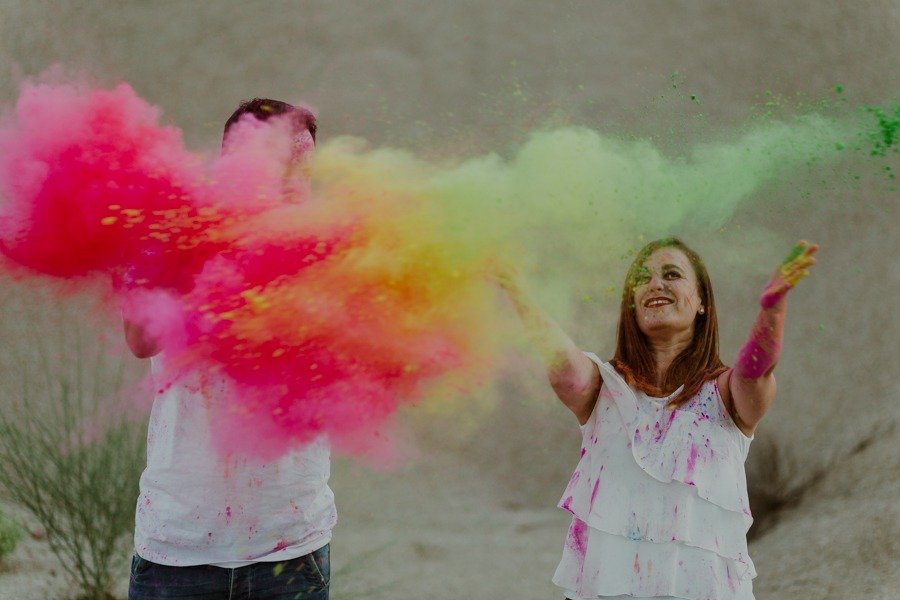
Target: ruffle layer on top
648, 570
671, 489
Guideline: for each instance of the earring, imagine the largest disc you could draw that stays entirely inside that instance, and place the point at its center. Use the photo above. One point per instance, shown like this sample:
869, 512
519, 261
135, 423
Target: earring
702, 311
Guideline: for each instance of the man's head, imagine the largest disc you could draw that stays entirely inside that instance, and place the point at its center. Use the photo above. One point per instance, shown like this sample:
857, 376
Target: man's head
303, 121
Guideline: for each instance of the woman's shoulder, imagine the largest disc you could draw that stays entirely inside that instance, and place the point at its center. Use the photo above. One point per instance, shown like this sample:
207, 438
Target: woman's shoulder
607, 368
595, 359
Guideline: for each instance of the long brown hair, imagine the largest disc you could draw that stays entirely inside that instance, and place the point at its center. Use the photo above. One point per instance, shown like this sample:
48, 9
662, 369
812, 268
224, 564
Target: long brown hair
696, 364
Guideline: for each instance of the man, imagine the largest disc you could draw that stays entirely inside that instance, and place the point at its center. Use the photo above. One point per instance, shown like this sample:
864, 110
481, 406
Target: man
212, 526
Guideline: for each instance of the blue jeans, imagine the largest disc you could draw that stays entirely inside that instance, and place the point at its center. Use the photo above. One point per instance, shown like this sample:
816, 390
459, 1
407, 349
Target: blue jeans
303, 578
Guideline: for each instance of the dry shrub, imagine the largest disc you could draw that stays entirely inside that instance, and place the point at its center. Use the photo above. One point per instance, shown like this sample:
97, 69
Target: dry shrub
69, 450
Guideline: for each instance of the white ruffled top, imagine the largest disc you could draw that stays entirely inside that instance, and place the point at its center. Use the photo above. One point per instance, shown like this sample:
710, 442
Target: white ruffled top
659, 499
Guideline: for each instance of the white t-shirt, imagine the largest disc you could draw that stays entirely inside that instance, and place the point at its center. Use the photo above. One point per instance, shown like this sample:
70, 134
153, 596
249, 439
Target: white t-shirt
199, 507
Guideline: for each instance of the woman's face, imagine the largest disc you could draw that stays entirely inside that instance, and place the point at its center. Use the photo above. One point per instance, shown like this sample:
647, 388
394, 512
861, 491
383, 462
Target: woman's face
666, 295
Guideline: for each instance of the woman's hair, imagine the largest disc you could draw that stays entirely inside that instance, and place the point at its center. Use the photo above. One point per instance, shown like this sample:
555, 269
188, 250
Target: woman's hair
696, 364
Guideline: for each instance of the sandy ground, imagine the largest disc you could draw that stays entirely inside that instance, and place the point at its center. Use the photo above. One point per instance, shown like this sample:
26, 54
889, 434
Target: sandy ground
474, 516
426, 531
442, 529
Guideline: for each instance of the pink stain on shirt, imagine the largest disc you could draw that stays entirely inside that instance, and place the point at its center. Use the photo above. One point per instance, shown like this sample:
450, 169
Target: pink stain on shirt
692, 460
575, 477
577, 543
596, 487
661, 428
577, 540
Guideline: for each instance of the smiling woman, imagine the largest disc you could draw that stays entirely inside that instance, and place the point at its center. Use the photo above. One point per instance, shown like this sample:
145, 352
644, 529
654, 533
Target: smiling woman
659, 497
668, 331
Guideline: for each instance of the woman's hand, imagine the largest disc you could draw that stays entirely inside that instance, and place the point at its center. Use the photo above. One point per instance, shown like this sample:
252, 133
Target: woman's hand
794, 268
751, 383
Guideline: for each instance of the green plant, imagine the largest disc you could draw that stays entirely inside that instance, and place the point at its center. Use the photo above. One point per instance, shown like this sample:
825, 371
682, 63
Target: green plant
69, 453
10, 534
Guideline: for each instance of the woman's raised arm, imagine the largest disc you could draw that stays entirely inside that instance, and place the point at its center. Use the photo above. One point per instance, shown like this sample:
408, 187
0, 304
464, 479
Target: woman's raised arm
574, 377
751, 382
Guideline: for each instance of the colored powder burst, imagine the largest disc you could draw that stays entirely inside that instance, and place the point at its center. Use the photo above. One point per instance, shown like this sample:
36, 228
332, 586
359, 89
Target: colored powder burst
332, 304
351, 311
888, 122
576, 200
325, 313
73, 187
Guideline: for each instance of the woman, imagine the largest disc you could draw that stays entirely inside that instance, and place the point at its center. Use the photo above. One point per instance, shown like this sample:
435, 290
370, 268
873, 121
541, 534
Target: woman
659, 498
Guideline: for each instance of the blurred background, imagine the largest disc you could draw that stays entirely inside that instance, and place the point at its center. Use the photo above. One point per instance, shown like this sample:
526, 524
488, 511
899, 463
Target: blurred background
472, 512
